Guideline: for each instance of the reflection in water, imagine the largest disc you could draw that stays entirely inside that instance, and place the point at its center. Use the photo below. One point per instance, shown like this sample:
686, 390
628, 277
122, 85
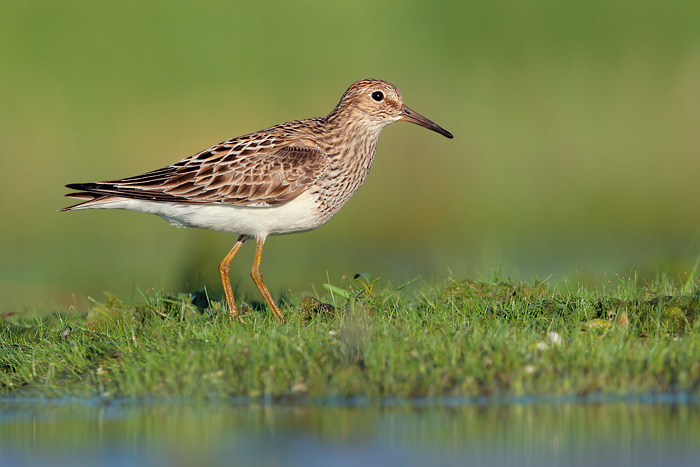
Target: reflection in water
515, 434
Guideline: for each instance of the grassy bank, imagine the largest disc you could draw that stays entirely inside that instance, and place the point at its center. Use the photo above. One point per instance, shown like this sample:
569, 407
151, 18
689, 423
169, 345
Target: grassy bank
457, 338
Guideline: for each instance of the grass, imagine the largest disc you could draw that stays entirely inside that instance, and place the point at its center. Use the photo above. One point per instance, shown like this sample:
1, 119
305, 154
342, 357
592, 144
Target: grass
461, 338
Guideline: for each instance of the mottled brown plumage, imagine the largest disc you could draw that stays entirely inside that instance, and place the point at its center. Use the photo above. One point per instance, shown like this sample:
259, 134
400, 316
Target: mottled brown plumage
291, 177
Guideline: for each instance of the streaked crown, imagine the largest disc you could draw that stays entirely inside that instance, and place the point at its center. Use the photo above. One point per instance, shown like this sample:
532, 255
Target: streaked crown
372, 104
372, 99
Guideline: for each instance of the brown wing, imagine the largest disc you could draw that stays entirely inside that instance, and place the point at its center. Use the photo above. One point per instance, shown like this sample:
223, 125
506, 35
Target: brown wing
246, 171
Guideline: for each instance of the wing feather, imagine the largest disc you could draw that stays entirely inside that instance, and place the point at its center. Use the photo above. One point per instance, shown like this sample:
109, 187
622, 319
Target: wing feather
249, 170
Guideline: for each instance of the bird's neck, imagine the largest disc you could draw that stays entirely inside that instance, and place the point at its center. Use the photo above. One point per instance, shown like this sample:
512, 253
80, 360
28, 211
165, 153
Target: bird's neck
355, 133
353, 143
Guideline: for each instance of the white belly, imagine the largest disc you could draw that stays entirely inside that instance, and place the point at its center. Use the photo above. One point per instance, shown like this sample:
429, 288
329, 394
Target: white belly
298, 215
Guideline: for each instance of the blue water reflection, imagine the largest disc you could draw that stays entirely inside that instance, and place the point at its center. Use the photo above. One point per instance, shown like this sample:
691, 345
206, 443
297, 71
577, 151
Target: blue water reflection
37, 432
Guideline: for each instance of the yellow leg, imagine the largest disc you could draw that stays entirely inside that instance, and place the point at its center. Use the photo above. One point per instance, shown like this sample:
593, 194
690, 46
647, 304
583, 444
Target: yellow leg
258, 279
225, 273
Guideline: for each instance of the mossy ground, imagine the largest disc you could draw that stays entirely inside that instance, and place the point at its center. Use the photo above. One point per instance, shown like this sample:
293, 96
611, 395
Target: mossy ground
459, 338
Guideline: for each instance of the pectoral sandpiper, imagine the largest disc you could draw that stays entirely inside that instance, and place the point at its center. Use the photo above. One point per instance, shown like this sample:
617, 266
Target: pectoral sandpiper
291, 177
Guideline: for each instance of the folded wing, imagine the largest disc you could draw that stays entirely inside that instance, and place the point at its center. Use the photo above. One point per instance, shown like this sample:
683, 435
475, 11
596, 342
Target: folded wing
244, 173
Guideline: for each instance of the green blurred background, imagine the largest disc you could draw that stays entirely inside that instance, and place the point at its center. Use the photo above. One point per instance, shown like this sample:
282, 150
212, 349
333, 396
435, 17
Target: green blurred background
576, 151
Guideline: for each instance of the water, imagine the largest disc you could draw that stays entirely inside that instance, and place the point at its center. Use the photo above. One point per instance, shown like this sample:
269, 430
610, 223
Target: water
39, 432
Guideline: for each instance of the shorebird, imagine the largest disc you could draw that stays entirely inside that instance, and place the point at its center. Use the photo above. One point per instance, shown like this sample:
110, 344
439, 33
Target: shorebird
288, 178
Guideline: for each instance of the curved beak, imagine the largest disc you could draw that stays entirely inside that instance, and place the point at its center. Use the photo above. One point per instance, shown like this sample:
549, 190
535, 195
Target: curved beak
409, 115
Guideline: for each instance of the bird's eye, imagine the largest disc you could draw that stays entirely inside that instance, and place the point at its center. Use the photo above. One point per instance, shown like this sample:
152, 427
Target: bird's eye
377, 96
